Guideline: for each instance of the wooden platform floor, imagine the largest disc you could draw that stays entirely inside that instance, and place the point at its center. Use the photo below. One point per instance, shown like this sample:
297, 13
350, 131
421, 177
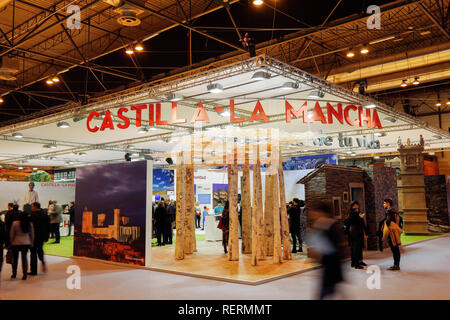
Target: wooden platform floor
210, 262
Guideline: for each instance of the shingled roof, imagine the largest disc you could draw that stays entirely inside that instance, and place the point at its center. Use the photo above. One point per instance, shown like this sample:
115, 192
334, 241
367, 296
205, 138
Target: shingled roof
322, 168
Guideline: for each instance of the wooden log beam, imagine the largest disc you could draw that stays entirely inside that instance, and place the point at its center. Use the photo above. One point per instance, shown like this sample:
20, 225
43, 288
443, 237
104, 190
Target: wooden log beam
180, 216
276, 219
257, 214
233, 239
268, 214
246, 211
190, 210
287, 254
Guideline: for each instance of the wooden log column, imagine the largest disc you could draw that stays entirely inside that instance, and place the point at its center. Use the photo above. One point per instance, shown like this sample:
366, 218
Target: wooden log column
233, 240
189, 236
268, 214
246, 210
276, 221
257, 214
287, 254
180, 213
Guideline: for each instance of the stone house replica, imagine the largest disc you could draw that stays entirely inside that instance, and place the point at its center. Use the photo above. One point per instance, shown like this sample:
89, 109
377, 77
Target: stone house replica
341, 185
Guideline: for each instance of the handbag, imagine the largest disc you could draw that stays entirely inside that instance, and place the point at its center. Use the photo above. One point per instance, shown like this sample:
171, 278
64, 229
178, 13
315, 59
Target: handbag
9, 257
219, 226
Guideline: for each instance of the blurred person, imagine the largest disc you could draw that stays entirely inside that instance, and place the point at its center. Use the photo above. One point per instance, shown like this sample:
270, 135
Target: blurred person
171, 216
294, 213
21, 238
71, 213
3, 240
355, 227
391, 231
204, 214
326, 242
161, 221
30, 196
10, 216
225, 226
198, 215
219, 208
41, 225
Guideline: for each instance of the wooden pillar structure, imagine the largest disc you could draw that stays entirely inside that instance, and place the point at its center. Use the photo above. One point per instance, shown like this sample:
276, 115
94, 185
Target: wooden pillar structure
257, 214
180, 213
246, 209
287, 254
276, 217
233, 240
268, 214
189, 236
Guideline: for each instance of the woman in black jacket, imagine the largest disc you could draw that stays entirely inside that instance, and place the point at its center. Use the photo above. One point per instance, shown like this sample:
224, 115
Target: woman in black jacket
356, 228
225, 226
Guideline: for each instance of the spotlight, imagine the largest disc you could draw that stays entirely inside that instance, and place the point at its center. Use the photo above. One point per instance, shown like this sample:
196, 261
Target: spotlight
316, 94
369, 105
258, 2
403, 84
1, 100
127, 157
17, 135
49, 146
376, 157
390, 119
173, 97
448, 102
82, 154
139, 47
63, 124
289, 86
35, 169
78, 118
169, 161
364, 50
225, 112
55, 79
49, 81
142, 130
350, 54
214, 88
438, 104
416, 81
20, 168
261, 75
379, 134
129, 51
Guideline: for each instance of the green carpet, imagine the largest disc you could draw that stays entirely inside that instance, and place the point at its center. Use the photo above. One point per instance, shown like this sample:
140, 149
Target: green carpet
62, 249
413, 238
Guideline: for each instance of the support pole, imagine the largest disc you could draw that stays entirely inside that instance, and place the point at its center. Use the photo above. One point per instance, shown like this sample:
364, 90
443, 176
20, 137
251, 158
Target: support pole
233, 240
276, 218
246, 208
190, 210
257, 219
180, 216
287, 254
268, 215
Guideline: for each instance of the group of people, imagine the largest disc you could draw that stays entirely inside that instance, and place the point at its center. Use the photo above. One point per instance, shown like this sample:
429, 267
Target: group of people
389, 231
21, 232
164, 215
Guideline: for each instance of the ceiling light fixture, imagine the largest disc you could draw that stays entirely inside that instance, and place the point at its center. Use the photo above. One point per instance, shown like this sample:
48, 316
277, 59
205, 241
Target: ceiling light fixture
35, 169
55, 79
1, 100
142, 130
129, 51
382, 40
438, 104
379, 134
258, 2
139, 47
350, 54
17, 135
261, 75
316, 94
403, 84
49, 81
416, 81
214, 88
364, 50
20, 168
63, 124
390, 119
289, 86
49, 146
369, 105
225, 112
173, 97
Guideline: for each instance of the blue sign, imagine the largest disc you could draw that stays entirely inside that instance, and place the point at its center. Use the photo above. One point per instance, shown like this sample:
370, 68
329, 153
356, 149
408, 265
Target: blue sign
163, 180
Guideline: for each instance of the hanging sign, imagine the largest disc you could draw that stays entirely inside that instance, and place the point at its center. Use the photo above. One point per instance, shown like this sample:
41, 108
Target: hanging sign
350, 114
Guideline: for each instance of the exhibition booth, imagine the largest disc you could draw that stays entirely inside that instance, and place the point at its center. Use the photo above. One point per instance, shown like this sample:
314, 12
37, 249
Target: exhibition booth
257, 133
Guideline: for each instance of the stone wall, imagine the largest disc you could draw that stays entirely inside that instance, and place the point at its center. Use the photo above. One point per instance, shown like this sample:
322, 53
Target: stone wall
437, 202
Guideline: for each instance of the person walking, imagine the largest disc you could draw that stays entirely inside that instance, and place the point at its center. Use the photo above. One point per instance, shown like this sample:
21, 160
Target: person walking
327, 245
55, 213
21, 238
171, 216
3, 240
225, 219
161, 222
204, 214
41, 225
355, 227
294, 225
198, 215
71, 213
391, 231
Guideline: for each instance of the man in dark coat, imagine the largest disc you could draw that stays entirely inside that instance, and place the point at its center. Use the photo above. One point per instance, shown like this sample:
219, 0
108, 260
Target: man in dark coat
41, 224
355, 227
3, 237
294, 225
161, 221
171, 216
11, 215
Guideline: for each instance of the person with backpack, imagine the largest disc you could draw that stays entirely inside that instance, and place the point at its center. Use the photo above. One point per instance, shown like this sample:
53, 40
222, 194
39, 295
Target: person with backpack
391, 231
